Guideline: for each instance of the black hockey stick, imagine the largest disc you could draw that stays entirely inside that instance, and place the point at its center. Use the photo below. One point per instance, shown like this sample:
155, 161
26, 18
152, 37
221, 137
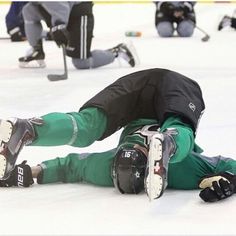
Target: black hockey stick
56, 77
206, 36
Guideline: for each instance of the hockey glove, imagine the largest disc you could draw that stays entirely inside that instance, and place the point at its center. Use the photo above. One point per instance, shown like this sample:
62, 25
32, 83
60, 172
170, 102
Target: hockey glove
16, 35
217, 187
60, 34
21, 176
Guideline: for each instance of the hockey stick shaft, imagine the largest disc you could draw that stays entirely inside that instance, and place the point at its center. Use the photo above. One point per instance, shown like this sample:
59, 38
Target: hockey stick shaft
64, 60
204, 32
56, 77
206, 35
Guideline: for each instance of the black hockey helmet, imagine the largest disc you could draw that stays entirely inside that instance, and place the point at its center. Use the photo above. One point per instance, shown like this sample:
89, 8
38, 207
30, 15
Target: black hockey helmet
129, 170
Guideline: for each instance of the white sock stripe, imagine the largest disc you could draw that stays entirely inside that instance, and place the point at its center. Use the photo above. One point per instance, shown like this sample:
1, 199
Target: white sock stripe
75, 131
83, 37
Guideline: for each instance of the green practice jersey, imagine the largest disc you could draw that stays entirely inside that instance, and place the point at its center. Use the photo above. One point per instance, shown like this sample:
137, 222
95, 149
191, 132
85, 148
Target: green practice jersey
186, 167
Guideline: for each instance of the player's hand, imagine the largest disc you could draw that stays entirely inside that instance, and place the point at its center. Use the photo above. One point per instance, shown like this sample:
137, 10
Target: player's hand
60, 34
21, 176
217, 187
178, 14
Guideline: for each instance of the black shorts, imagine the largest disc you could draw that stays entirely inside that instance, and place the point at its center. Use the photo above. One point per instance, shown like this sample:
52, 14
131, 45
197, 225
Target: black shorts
80, 27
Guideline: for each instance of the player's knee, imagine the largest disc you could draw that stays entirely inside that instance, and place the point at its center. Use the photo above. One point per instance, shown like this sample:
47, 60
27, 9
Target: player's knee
28, 11
81, 63
165, 29
185, 29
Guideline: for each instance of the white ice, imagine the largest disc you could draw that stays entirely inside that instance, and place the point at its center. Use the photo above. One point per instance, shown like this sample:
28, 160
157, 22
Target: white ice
82, 209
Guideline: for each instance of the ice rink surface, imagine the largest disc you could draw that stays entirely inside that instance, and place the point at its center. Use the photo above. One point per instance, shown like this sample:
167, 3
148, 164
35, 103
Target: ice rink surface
82, 209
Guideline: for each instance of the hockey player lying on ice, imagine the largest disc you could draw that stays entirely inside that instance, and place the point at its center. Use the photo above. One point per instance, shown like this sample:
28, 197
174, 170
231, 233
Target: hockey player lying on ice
159, 110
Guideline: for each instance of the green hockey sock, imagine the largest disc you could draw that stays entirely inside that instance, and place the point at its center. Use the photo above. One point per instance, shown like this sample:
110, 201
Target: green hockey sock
78, 129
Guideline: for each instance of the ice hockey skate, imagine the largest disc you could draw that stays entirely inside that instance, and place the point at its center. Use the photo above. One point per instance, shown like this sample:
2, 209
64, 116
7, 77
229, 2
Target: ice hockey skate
126, 52
226, 21
161, 148
34, 58
14, 134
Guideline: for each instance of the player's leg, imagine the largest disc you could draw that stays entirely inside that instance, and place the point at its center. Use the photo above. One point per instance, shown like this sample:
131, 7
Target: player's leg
165, 29
33, 29
226, 22
75, 129
185, 28
164, 25
15, 23
172, 144
81, 26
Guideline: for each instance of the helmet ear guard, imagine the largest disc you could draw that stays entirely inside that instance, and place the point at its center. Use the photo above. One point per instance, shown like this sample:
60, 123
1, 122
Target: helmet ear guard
129, 170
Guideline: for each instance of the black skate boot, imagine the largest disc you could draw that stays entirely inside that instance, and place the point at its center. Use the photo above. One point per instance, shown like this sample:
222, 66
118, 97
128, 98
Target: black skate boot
162, 147
14, 134
34, 59
226, 21
122, 50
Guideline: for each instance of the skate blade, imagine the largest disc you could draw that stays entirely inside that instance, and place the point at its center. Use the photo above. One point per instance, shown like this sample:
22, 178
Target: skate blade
6, 128
154, 182
33, 64
3, 165
133, 50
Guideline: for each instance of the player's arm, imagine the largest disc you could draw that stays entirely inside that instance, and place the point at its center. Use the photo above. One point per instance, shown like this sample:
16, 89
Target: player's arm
60, 13
94, 168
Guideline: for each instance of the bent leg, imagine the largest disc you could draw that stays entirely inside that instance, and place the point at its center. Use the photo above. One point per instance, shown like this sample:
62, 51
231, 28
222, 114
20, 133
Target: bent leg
98, 58
185, 28
78, 129
33, 26
165, 29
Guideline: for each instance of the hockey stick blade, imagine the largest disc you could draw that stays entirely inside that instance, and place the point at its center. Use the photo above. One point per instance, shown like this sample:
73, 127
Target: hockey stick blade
55, 77
205, 38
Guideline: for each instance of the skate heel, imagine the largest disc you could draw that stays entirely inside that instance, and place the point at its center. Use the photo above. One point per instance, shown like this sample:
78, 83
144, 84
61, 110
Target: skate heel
154, 181
6, 128
41, 63
32, 64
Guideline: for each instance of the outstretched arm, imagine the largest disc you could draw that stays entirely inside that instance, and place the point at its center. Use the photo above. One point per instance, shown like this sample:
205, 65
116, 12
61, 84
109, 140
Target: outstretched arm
217, 187
94, 168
